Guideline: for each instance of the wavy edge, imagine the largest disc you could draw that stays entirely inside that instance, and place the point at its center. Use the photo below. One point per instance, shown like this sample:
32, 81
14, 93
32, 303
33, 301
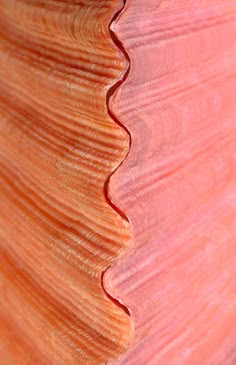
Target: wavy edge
112, 90
110, 93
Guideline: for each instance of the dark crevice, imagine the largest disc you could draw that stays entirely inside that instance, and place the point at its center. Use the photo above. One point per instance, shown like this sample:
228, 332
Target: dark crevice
110, 93
115, 301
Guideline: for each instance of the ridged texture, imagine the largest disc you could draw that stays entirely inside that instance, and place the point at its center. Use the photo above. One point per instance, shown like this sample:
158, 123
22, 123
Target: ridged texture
58, 148
178, 185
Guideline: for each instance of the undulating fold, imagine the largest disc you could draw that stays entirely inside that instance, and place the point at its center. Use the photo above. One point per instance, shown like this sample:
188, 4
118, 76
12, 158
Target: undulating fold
117, 182
59, 145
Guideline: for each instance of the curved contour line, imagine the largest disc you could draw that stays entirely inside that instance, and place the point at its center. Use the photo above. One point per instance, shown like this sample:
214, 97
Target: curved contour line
110, 93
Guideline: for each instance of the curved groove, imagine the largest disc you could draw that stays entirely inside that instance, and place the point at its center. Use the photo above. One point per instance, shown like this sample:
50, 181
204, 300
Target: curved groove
114, 300
110, 93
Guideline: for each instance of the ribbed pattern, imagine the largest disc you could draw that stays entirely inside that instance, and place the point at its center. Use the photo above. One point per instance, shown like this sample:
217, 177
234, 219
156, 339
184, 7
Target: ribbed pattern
58, 148
177, 185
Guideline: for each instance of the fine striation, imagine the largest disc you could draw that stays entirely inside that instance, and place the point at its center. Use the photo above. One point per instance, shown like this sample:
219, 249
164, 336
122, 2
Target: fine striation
177, 185
58, 147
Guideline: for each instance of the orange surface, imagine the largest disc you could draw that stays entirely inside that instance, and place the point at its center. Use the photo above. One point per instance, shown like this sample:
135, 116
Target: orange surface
58, 147
117, 182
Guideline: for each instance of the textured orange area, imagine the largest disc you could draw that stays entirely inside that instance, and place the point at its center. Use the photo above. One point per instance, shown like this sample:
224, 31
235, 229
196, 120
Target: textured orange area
58, 148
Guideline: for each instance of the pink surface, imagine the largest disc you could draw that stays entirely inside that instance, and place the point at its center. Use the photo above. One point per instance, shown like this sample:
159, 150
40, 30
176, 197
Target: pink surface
178, 184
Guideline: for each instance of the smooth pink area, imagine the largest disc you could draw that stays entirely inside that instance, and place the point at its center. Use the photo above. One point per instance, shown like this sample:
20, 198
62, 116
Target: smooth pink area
178, 185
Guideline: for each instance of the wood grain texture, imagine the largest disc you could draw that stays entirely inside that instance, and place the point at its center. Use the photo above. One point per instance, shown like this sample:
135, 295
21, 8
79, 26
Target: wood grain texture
178, 185
58, 148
